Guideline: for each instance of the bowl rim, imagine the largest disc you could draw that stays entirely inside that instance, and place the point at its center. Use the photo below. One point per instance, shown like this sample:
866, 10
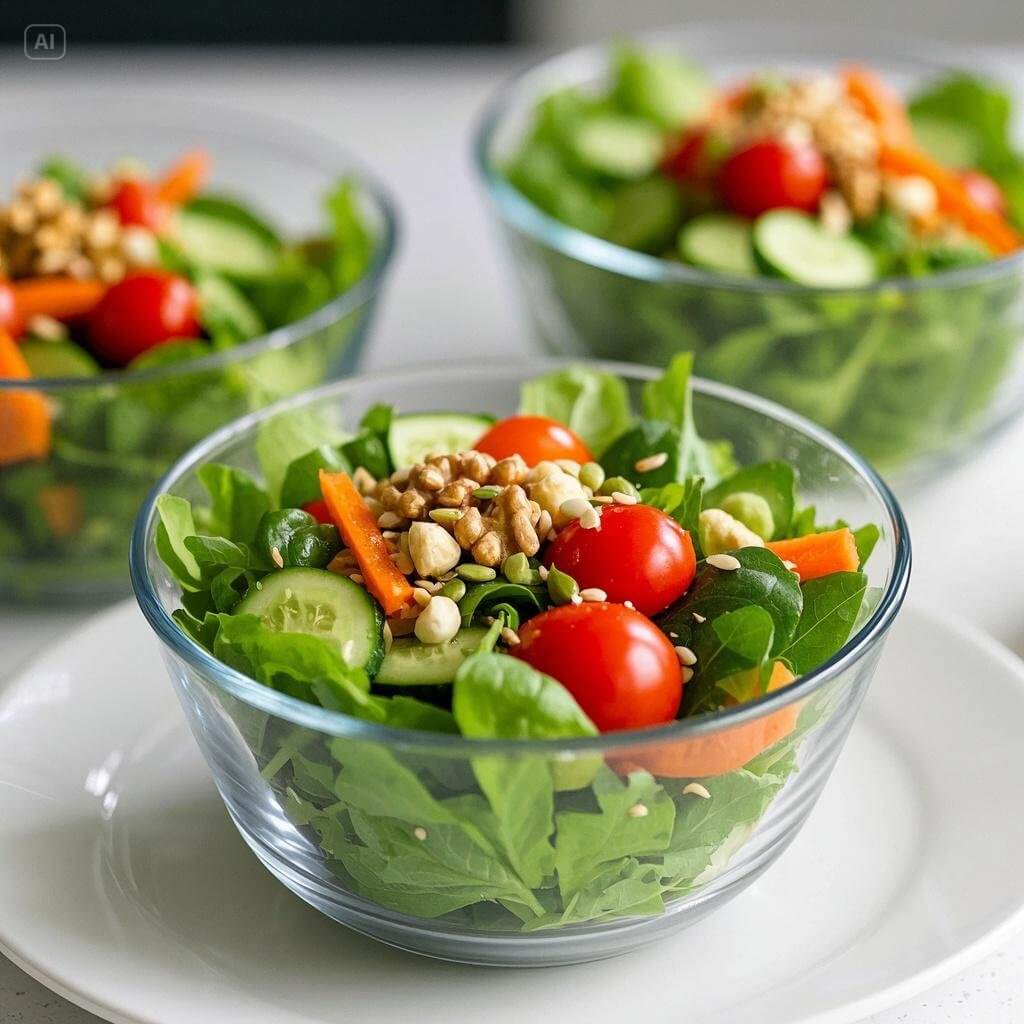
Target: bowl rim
337, 724
515, 209
255, 126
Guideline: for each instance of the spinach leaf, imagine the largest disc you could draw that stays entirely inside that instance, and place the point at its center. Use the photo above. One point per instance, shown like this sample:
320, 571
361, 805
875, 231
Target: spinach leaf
830, 609
593, 404
353, 242
212, 554
481, 598
287, 436
177, 523
237, 502
682, 501
646, 438
773, 481
302, 477
369, 448
761, 580
585, 841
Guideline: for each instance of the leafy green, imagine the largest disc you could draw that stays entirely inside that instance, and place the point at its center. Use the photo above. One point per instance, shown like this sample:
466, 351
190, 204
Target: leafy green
732, 659
830, 609
238, 502
774, 481
289, 435
301, 483
593, 404
682, 501
176, 523
481, 598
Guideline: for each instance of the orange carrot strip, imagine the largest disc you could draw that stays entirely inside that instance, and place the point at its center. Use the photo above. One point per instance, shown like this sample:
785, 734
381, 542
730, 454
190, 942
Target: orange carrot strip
24, 417
719, 752
954, 199
819, 554
185, 179
60, 297
879, 103
363, 538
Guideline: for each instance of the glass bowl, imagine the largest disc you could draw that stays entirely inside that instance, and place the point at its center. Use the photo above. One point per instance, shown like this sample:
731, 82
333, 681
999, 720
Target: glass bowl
913, 373
386, 830
65, 520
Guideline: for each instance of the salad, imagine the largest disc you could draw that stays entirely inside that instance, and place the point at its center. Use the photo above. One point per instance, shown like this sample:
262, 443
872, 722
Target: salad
141, 274
569, 571
829, 182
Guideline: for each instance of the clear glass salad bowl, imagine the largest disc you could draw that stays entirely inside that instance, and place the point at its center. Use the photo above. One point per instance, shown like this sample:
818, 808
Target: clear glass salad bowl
661, 849
115, 433
913, 373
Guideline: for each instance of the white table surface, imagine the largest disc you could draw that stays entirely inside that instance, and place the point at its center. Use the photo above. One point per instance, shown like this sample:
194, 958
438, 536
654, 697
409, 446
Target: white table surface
451, 299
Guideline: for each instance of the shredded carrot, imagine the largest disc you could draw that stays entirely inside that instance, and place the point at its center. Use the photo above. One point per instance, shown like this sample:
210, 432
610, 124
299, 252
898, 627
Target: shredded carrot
363, 538
59, 297
879, 103
954, 199
719, 752
185, 179
819, 554
24, 417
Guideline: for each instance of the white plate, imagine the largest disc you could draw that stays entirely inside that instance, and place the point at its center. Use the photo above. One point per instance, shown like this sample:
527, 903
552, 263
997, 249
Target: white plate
124, 886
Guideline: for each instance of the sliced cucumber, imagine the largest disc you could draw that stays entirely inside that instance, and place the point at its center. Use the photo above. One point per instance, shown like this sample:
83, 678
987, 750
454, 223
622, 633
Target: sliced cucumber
618, 146
661, 87
412, 438
797, 247
228, 246
718, 241
58, 359
409, 664
320, 603
646, 214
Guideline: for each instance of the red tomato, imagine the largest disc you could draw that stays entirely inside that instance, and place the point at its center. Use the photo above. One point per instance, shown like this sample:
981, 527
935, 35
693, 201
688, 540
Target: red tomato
10, 321
141, 311
318, 510
688, 162
638, 554
535, 438
136, 203
984, 192
620, 667
769, 174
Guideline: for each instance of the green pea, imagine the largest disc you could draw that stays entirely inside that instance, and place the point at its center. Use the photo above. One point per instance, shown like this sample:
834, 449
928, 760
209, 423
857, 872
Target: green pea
476, 573
620, 484
592, 476
562, 588
454, 589
752, 511
313, 547
276, 529
517, 569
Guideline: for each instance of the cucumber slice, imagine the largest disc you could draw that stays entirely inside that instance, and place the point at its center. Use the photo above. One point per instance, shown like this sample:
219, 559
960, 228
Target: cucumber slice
661, 87
718, 241
320, 603
796, 246
225, 245
617, 146
412, 438
646, 214
58, 359
409, 664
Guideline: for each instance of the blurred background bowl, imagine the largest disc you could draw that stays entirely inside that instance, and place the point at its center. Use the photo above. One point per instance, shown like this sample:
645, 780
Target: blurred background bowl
280, 764
65, 521
913, 373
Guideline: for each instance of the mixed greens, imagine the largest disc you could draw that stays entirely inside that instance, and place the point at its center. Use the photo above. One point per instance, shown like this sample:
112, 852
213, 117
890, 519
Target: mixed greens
828, 182
144, 275
571, 570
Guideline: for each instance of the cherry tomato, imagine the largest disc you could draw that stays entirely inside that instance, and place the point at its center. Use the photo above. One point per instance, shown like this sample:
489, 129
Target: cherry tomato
769, 174
10, 321
136, 203
535, 438
984, 192
319, 511
638, 554
689, 162
141, 311
622, 670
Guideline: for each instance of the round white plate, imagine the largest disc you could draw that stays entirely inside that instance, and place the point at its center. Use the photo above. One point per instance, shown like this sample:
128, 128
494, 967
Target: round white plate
124, 886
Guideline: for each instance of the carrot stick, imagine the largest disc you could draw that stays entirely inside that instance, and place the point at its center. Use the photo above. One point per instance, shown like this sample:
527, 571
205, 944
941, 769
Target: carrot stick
819, 554
60, 297
24, 417
363, 538
185, 179
879, 103
954, 199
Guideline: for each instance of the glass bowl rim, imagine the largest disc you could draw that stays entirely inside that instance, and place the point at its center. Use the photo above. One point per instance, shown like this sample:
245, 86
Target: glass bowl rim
254, 126
337, 724
517, 210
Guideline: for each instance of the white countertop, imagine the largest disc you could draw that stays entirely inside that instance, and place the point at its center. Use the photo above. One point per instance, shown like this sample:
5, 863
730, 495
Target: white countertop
451, 299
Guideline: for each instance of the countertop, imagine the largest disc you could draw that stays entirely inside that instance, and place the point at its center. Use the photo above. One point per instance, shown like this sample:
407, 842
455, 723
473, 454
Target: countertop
452, 299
